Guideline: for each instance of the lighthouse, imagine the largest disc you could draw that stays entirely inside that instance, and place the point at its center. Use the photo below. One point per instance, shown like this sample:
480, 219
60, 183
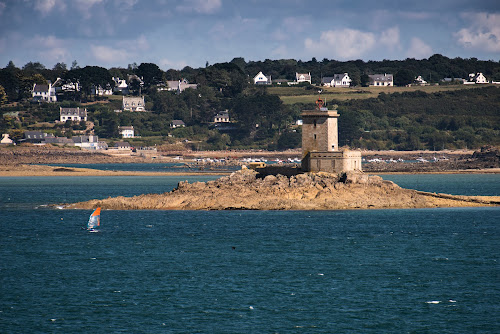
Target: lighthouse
320, 142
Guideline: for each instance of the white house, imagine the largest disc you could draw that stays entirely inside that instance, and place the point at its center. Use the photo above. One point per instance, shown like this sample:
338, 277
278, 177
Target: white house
133, 103
221, 117
120, 85
72, 114
177, 123
6, 140
44, 93
126, 131
179, 85
420, 81
302, 77
338, 80
478, 78
88, 142
381, 80
261, 79
102, 91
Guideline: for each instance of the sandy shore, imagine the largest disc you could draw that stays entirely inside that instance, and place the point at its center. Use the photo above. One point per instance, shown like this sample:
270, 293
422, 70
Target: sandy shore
40, 170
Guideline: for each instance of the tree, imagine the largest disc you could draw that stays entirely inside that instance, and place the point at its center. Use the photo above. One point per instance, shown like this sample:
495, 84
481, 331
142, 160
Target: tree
61, 67
364, 80
404, 77
151, 74
74, 65
3, 96
33, 68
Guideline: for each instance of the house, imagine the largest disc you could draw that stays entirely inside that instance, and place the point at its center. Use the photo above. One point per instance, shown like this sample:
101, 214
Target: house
478, 78
120, 86
221, 117
126, 131
261, 79
177, 123
72, 114
134, 77
44, 93
420, 81
451, 80
179, 85
89, 142
302, 77
133, 103
35, 136
98, 90
281, 81
59, 141
381, 80
338, 80
6, 140
122, 145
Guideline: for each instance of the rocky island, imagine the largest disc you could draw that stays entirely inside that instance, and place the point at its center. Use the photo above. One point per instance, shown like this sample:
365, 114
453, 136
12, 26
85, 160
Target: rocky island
247, 190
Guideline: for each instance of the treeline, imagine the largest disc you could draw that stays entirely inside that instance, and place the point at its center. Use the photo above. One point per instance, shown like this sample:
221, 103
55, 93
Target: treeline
233, 77
414, 120
417, 120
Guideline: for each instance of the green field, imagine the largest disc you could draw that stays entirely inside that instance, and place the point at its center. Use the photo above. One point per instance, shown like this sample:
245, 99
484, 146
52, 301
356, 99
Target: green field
291, 95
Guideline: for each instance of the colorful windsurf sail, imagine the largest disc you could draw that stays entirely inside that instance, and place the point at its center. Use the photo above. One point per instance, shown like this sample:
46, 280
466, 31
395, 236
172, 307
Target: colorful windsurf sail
94, 219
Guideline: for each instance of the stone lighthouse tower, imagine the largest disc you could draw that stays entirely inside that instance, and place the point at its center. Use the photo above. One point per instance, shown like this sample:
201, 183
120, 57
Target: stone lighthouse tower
320, 143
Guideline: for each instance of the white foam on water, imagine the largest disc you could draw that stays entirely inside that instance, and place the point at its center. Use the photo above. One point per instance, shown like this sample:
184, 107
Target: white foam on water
433, 302
452, 301
250, 307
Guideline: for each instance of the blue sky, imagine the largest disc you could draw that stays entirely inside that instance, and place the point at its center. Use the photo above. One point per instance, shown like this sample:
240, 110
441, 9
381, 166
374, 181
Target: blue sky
174, 34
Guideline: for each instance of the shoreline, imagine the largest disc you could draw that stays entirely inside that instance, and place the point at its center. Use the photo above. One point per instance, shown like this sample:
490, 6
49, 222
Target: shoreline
243, 190
44, 170
49, 171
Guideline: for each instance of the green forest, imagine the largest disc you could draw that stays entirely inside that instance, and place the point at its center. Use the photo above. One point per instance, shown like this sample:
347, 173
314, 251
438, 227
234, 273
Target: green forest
416, 118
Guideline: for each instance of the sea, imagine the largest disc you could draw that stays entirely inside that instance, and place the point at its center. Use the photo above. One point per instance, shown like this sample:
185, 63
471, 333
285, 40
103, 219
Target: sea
353, 271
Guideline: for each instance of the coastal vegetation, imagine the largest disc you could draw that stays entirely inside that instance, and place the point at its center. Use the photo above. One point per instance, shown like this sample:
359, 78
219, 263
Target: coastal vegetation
443, 115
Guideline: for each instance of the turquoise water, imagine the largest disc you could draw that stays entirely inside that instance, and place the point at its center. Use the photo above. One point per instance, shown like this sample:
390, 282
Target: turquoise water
455, 184
365, 271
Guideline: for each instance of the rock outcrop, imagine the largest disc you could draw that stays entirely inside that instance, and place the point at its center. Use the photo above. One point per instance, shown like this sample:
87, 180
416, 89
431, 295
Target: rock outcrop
244, 190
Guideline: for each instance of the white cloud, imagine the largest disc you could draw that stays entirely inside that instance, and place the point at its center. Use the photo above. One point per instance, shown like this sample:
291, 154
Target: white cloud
168, 64
280, 52
108, 54
418, 49
290, 27
200, 6
127, 3
46, 6
85, 6
351, 43
390, 38
344, 43
482, 34
140, 43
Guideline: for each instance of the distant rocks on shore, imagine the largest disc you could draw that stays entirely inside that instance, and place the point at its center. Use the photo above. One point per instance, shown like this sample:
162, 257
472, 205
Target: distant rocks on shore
245, 190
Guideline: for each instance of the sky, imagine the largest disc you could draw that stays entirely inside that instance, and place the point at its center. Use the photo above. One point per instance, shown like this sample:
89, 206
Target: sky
175, 34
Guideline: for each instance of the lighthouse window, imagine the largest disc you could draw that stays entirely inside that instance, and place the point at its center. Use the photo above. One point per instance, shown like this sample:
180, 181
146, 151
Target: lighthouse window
315, 125
314, 136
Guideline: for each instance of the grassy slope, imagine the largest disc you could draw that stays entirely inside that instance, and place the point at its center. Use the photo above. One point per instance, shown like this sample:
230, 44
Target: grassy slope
291, 95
